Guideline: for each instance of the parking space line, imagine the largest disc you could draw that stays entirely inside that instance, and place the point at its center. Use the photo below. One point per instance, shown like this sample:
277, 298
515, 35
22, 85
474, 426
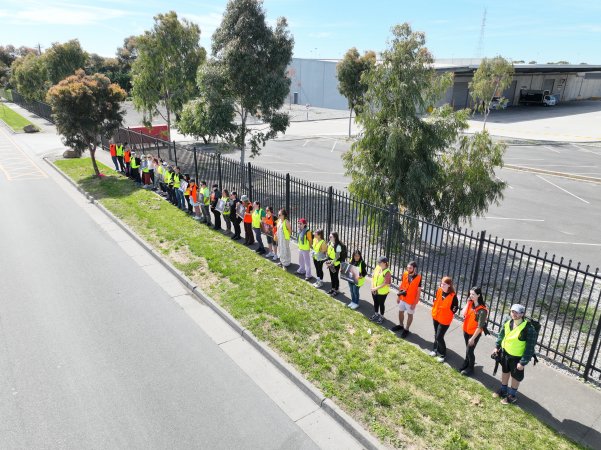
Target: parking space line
334, 146
514, 218
562, 189
306, 142
553, 242
586, 150
551, 148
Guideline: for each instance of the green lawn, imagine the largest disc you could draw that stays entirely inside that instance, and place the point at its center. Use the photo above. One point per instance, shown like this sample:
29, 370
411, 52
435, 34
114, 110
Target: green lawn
396, 391
13, 119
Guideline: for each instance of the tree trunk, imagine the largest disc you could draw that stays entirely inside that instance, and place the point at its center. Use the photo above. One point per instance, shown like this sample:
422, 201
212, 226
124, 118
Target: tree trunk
242, 138
168, 122
92, 147
350, 119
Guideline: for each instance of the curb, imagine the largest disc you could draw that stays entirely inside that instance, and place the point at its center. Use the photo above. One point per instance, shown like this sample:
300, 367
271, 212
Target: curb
333, 410
551, 172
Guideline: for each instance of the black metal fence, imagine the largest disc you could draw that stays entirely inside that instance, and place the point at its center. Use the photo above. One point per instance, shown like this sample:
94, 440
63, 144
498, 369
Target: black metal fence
564, 296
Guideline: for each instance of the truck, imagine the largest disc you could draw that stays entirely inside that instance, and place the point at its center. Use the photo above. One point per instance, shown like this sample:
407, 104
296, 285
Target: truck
535, 97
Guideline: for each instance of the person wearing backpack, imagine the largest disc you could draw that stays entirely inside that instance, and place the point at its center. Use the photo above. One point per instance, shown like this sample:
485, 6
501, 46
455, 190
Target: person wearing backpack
515, 345
475, 315
336, 255
305, 241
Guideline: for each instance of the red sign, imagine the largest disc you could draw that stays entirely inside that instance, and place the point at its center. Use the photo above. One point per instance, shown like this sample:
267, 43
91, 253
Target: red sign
157, 131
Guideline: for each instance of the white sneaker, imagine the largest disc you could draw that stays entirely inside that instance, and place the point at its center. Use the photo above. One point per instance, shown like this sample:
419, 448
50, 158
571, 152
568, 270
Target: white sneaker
432, 353
440, 359
269, 255
354, 306
275, 257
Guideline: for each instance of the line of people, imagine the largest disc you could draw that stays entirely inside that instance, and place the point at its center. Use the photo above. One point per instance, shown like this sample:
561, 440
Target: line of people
515, 343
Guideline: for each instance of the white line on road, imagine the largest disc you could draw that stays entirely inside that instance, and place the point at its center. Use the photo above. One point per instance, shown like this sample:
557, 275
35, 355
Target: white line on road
586, 150
562, 189
515, 218
551, 148
552, 242
306, 142
334, 146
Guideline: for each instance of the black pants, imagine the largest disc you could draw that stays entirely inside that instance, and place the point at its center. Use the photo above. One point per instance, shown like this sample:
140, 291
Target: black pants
135, 172
217, 219
440, 345
128, 169
248, 234
189, 203
259, 238
470, 357
379, 300
236, 223
334, 277
121, 164
319, 268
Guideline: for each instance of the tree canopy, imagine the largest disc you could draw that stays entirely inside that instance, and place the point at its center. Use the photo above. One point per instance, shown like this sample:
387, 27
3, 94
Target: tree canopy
491, 78
212, 114
30, 76
164, 72
414, 160
64, 59
252, 58
348, 73
85, 107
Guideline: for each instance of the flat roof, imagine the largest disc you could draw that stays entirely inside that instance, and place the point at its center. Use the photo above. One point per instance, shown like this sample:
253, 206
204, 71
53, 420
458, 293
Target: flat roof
524, 68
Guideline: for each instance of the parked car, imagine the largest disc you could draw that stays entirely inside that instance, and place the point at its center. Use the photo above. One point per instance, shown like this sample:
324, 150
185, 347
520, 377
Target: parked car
498, 103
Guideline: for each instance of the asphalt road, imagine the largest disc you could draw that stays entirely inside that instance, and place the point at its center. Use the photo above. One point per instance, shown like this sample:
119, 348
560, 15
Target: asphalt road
93, 353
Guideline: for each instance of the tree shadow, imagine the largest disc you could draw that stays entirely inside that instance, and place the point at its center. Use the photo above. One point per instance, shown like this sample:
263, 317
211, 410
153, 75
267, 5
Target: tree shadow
516, 114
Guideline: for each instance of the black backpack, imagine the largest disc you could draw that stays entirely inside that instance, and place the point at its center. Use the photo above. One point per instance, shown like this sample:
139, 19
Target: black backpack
535, 324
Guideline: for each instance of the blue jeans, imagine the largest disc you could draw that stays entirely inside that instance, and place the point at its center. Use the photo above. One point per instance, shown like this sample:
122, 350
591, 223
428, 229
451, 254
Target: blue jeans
181, 202
354, 292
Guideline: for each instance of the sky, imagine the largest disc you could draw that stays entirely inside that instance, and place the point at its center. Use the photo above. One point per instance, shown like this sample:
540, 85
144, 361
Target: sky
533, 30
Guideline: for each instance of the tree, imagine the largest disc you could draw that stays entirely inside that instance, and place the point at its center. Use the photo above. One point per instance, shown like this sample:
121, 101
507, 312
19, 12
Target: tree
212, 114
164, 72
490, 80
30, 76
126, 55
85, 107
63, 60
531, 62
418, 162
253, 58
520, 61
348, 72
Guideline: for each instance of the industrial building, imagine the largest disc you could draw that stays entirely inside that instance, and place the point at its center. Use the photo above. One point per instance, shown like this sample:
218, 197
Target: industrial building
314, 82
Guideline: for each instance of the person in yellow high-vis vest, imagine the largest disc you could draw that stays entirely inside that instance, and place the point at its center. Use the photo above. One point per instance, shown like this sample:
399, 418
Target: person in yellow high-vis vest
305, 241
515, 346
380, 287
258, 214
119, 153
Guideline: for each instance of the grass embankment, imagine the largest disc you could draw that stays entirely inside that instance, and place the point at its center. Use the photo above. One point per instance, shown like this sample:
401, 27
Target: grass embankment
400, 394
13, 119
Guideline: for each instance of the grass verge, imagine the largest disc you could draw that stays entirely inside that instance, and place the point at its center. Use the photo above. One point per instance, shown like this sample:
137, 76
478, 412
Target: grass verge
13, 119
396, 391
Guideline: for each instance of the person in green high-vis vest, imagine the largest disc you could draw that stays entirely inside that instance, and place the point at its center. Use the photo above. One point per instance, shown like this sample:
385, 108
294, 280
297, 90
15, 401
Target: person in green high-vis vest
119, 153
515, 344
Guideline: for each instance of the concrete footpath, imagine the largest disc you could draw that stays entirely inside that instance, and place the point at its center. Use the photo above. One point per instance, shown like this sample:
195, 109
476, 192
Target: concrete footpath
562, 401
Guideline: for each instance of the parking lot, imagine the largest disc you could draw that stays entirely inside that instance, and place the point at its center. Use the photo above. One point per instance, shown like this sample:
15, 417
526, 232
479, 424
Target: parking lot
554, 214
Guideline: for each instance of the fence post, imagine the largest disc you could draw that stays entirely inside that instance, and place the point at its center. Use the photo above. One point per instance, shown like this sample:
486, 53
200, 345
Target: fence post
288, 193
175, 152
250, 184
196, 166
330, 210
391, 211
594, 350
156, 144
476, 272
220, 181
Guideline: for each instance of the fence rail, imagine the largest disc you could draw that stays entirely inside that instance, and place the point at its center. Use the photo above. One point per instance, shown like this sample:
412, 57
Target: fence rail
564, 296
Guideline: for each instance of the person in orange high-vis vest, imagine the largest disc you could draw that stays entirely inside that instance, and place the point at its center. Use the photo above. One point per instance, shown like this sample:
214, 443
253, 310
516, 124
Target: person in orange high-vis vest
249, 238
475, 315
113, 152
409, 292
127, 160
444, 308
